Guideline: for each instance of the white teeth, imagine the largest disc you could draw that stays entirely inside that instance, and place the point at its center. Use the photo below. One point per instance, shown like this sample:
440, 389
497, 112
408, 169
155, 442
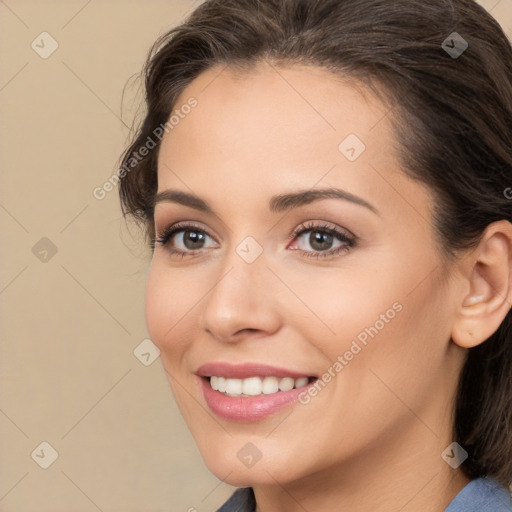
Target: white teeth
301, 382
270, 385
253, 386
286, 384
221, 384
233, 386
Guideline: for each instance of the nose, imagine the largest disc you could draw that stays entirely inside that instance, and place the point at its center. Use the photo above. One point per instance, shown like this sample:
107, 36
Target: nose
242, 302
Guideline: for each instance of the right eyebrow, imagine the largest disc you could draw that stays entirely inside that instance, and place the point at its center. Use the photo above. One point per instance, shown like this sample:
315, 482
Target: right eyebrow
183, 198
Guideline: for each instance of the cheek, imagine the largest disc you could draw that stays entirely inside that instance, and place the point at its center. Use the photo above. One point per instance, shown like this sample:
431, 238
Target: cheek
169, 303
340, 304
157, 303
394, 341
383, 312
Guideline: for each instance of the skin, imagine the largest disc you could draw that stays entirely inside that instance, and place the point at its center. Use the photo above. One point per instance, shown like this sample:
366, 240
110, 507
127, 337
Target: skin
372, 439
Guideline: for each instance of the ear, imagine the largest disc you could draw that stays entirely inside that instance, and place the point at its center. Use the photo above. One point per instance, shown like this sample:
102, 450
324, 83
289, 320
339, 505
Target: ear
488, 277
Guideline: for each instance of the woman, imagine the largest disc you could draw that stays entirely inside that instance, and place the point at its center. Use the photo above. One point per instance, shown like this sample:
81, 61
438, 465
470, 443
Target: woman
326, 186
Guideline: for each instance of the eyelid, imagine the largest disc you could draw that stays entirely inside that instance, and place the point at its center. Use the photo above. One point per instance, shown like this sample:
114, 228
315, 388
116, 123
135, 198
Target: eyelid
321, 226
342, 234
180, 226
163, 236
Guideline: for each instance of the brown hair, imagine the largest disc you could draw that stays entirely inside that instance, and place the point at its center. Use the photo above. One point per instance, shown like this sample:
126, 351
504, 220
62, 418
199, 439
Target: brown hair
452, 116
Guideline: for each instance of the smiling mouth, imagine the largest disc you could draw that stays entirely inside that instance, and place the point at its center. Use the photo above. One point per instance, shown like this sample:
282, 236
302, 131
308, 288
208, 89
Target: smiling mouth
255, 386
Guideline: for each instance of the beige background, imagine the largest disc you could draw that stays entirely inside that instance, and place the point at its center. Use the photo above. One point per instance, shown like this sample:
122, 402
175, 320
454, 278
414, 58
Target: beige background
70, 321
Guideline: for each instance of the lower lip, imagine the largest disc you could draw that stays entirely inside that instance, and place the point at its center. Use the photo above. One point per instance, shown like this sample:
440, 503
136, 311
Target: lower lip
250, 408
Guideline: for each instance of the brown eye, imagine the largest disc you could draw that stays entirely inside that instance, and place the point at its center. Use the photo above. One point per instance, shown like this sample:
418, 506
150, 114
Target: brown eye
184, 239
318, 241
191, 239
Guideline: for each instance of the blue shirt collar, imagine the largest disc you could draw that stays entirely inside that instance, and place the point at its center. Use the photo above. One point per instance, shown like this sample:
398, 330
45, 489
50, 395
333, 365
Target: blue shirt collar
480, 495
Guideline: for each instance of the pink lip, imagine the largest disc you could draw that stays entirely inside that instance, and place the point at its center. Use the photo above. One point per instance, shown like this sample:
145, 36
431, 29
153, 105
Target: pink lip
251, 408
243, 371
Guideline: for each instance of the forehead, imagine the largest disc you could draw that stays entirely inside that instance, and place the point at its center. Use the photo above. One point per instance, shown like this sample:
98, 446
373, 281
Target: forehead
286, 111
275, 106
276, 128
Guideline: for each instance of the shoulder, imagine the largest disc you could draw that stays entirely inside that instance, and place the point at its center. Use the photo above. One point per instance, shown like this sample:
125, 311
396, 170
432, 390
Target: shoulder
482, 495
242, 500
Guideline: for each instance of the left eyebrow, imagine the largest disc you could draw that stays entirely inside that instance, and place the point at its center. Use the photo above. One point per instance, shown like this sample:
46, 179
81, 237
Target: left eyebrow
286, 202
279, 203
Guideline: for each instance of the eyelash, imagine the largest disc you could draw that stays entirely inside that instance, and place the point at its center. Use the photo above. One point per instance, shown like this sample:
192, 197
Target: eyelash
349, 242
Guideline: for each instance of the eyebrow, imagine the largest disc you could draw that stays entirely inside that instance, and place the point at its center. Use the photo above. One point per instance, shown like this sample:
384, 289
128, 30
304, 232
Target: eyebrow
279, 203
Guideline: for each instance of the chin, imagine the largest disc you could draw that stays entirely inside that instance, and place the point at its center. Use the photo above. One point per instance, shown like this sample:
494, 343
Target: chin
241, 464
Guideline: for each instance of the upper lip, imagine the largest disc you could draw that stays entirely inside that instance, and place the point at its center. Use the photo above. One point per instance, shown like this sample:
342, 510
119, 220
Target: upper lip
243, 371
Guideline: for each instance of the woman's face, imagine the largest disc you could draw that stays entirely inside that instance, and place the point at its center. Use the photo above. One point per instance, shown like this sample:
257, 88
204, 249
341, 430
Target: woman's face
279, 279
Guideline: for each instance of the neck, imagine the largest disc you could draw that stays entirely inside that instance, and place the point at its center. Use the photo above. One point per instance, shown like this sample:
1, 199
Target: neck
400, 473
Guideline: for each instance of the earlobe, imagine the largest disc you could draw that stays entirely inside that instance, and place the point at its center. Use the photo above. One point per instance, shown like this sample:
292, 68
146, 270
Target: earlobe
488, 272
